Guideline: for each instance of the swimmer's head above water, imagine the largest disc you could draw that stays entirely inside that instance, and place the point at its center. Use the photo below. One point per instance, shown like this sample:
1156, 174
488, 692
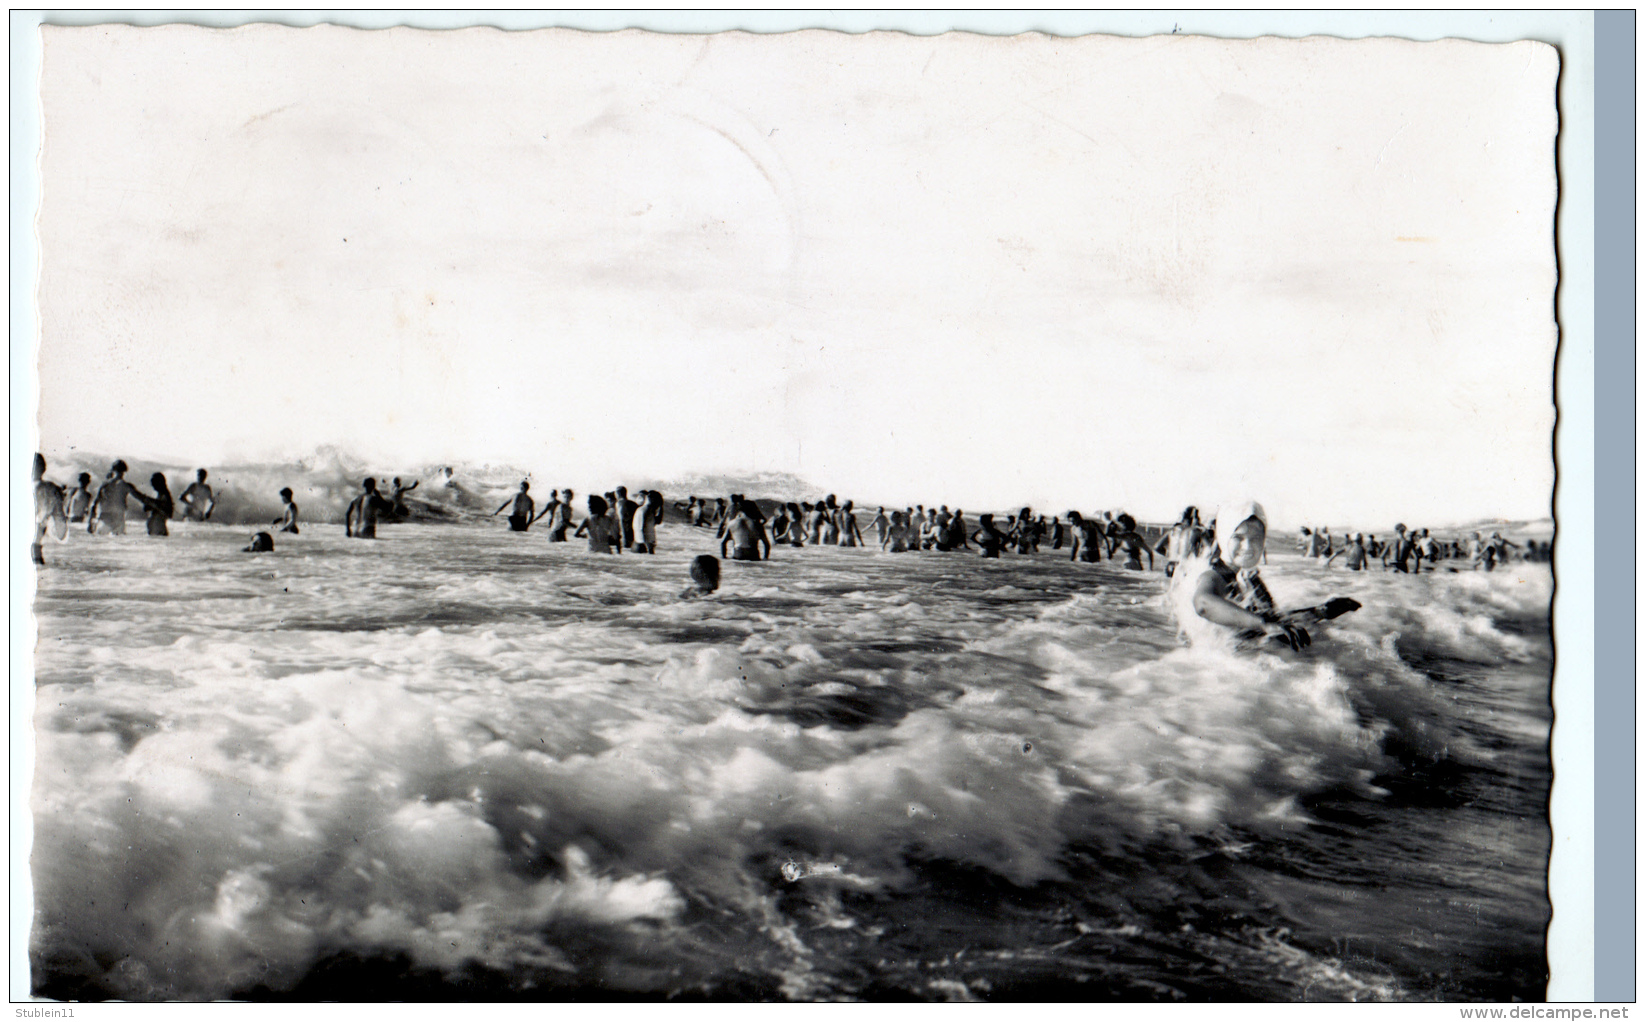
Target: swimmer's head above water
705, 572
1242, 532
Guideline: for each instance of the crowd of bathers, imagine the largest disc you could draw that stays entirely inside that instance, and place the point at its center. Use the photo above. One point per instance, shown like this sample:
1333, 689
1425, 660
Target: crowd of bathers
1409, 549
616, 522
747, 533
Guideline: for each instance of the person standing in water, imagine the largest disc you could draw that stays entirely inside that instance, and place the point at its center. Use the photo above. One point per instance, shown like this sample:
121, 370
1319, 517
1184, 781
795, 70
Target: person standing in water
559, 522
360, 520
850, 532
287, 522
744, 534
1357, 559
602, 533
988, 539
519, 520
48, 510
198, 500
158, 507
397, 497
958, 535
647, 516
78, 500
1427, 548
1135, 546
1399, 550
1182, 542
625, 509
882, 527
1088, 541
1229, 591
108, 509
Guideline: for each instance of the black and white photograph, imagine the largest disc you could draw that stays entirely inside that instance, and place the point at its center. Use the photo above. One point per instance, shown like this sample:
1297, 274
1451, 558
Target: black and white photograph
560, 515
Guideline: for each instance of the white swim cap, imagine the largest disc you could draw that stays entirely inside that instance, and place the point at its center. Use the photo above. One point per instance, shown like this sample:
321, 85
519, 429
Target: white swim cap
1234, 514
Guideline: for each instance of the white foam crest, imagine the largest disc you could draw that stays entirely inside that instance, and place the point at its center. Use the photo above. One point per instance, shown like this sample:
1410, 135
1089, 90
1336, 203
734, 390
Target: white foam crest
239, 846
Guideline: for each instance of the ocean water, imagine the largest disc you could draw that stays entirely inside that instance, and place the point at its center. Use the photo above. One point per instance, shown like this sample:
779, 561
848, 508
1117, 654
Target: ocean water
463, 763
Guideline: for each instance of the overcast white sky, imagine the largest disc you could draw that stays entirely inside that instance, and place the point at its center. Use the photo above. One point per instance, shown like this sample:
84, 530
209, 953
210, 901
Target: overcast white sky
1091, 272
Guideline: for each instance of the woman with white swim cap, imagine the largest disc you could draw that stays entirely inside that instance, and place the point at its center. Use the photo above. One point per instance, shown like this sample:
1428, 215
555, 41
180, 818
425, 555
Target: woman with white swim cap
1230, 592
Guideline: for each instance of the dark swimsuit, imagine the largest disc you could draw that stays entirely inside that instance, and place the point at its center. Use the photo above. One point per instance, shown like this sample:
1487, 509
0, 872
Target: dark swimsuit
1246, 589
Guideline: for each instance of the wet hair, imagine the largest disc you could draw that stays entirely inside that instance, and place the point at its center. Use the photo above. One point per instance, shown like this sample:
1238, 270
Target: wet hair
525, 484
158, 481
705, 571
1127, 522
200, 474
596, 505
286, 492
262, 543
370, 484
118, 466
85, 478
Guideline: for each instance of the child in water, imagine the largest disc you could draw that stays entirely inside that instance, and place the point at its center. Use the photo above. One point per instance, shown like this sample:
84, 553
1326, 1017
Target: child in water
1229, 592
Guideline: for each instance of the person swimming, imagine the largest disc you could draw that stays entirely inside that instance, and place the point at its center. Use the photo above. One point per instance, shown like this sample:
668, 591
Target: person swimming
198, 500
287, 522
1229, 591
519, 520
262, 543
705, 576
